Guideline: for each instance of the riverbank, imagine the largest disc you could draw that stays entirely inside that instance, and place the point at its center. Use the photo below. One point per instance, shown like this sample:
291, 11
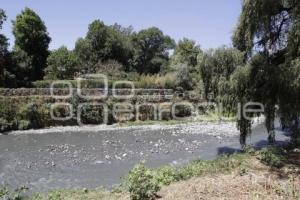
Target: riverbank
153, 125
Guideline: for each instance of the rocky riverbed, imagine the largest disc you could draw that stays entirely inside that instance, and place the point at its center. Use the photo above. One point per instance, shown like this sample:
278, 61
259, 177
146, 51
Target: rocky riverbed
91, 156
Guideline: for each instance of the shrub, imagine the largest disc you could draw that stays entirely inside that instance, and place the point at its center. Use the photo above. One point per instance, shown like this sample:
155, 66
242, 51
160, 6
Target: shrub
7, 115
272, 156
182, 110
36, 113
166, 175
5, 125
146, 112
91, 114
7, 109
23, 125
6, 194
141, 183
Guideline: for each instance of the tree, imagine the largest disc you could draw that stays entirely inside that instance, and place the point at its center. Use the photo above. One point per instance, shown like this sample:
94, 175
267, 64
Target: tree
83, 51
186, 51
3, 49
103, 43
216, 65
183, 77
31, 36
270, 29
240, 95
150, 50
20, 69
62, 64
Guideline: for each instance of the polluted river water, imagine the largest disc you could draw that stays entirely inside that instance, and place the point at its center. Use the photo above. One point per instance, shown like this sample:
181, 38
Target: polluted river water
94, 156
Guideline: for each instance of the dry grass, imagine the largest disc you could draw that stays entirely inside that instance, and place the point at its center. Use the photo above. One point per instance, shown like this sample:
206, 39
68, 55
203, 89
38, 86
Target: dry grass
83, 194
260, 182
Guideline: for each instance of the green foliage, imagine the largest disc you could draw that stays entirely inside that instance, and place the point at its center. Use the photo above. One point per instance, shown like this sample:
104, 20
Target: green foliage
103, 43
36, 114
23, 114
183, 110
268, 32
240, 84
62, 64
141, 183
265, 24
166, 175
150, 50
4, 54
23, 125
6, 194
216, 65
5, 125
2, 17
186, 51
92, 114
31, 36
221, 164
21, 68
183, 78
8, 112
112, 69
272, 156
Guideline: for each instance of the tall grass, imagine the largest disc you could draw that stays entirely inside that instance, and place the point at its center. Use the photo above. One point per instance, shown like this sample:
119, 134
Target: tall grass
167, 81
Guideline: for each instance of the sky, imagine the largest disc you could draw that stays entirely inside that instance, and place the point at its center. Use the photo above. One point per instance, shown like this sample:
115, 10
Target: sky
209, 22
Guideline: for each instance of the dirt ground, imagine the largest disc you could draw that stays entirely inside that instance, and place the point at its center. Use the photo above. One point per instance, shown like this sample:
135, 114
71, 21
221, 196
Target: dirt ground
261, 182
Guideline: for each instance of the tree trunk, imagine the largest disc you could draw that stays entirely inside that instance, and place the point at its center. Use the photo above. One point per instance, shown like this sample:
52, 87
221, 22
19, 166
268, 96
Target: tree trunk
296, 131
270, 117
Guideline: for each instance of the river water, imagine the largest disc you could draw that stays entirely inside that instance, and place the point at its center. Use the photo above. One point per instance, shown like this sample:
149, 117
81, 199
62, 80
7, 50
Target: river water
89, 157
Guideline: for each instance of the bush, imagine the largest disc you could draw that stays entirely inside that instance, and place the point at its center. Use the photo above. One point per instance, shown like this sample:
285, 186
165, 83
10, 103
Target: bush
272, 156
7, 115
23, 125
146, 112
182, 110
37, 114
92, 114
166, 175
7, 109
141, 183
5, 125
6, 194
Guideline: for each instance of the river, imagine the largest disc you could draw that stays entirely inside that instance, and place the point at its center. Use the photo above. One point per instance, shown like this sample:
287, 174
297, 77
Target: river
89, 157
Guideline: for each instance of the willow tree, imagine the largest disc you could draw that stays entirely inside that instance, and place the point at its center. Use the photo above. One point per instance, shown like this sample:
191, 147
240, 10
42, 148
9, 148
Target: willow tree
268, 32
216, 67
